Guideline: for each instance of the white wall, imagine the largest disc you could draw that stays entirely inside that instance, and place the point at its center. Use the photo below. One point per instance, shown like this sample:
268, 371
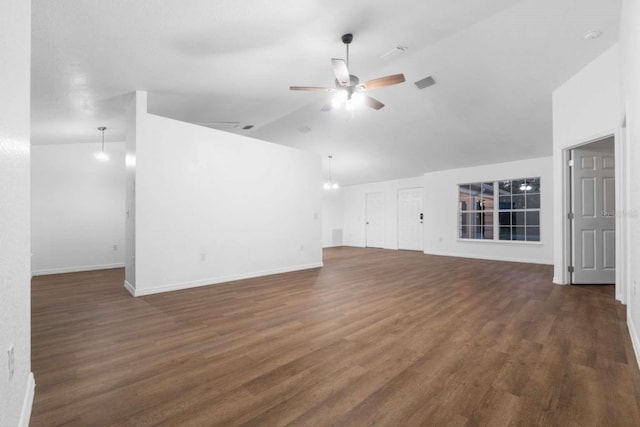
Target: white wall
213, 206
332, 218
585, 108
441, 213
630, 65
78, 208
16, 392
354, 198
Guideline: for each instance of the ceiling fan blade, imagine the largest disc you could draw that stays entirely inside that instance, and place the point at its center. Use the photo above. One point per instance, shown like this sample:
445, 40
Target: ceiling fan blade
312, 88
382, 82
373, 103
326, 107
341, 71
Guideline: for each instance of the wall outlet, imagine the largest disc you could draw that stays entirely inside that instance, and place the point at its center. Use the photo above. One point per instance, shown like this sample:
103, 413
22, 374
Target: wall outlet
11, 363
203, 256
115, 247
301, 248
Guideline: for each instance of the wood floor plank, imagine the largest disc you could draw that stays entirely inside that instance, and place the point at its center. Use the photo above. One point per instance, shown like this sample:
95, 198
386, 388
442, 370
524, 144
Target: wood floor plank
374, 337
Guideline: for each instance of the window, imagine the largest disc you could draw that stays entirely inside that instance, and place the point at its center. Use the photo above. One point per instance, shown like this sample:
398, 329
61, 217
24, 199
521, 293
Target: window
512, 207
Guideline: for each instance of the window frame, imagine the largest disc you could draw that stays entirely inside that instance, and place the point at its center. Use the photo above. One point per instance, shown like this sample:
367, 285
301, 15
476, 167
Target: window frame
496, 212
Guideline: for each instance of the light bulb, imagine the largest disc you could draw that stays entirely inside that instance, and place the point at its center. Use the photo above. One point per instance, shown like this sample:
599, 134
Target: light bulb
327, 185
339, 98
357, 99
102, 156
335, 186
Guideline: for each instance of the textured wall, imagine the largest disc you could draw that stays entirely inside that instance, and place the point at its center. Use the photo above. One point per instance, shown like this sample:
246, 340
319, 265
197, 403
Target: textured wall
15, 241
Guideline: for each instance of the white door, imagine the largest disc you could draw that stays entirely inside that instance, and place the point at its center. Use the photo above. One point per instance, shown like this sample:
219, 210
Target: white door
410, 219
593, 207
374, 220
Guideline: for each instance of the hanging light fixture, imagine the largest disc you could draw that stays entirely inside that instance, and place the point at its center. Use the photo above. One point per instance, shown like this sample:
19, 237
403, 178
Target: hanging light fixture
101, 155
330, 184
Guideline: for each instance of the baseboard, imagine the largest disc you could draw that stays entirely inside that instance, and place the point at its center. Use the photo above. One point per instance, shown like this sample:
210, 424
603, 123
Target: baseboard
75, 269
216, 280
555, 281
635, 340
490, 257
128, 286
25, 414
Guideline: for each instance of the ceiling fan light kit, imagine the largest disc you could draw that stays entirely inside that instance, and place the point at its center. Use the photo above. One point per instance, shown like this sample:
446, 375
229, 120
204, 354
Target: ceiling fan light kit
348, 92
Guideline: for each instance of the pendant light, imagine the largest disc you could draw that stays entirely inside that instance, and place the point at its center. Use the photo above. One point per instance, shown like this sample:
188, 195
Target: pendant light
101, 155
330, 184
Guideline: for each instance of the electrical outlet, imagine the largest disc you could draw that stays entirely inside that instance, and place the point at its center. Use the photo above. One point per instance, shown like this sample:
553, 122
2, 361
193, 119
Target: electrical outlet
203, 256
301, 248
115, 247
11, 363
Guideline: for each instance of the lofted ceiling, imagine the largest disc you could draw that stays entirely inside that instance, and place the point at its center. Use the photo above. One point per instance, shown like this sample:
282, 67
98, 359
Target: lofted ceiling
229, 63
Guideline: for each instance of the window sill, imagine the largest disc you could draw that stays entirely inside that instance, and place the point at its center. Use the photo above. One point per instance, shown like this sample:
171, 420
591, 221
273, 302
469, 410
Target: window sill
506, 242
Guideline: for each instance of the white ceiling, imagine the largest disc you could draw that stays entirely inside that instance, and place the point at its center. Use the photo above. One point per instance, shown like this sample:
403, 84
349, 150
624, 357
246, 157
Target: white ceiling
495, 63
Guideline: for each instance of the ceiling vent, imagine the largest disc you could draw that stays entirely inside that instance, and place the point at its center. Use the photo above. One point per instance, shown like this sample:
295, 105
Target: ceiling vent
304, 129
426, 82
220, 125
247, 127
394, 52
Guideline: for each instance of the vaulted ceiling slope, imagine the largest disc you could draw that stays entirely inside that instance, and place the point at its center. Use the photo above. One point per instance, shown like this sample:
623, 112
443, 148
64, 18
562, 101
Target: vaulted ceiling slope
229, 63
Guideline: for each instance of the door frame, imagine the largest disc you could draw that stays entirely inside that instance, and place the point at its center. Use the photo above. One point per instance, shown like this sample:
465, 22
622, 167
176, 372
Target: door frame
621, 193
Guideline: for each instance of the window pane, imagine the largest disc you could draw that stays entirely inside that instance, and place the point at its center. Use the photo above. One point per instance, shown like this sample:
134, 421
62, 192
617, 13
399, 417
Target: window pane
464, 232
505, 202
533, 201
519, 186
504, 218
463, 197
517, 218
504, 187
488, 232
505, 233
518, 202
487, 189
518, 233
533, 218
533, 234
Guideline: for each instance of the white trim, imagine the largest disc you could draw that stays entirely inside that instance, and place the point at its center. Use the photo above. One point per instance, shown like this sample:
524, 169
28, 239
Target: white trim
27, 404
130, 288
214, 281
491, 257
565, 229
635, 340
76, 269
507, 242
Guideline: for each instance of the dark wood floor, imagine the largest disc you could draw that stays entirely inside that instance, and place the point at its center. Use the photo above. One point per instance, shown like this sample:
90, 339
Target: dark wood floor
389, 338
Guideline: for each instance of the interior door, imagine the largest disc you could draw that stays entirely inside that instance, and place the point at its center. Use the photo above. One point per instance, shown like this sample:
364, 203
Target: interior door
374, 220
593, 225
410, 219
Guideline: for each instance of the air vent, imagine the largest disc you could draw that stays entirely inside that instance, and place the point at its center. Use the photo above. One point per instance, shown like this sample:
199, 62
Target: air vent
304, 129
247, 127
394, 52
220, 125
426, 82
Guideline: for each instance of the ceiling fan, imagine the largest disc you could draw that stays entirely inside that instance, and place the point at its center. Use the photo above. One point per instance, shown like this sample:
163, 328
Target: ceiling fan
349, 90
